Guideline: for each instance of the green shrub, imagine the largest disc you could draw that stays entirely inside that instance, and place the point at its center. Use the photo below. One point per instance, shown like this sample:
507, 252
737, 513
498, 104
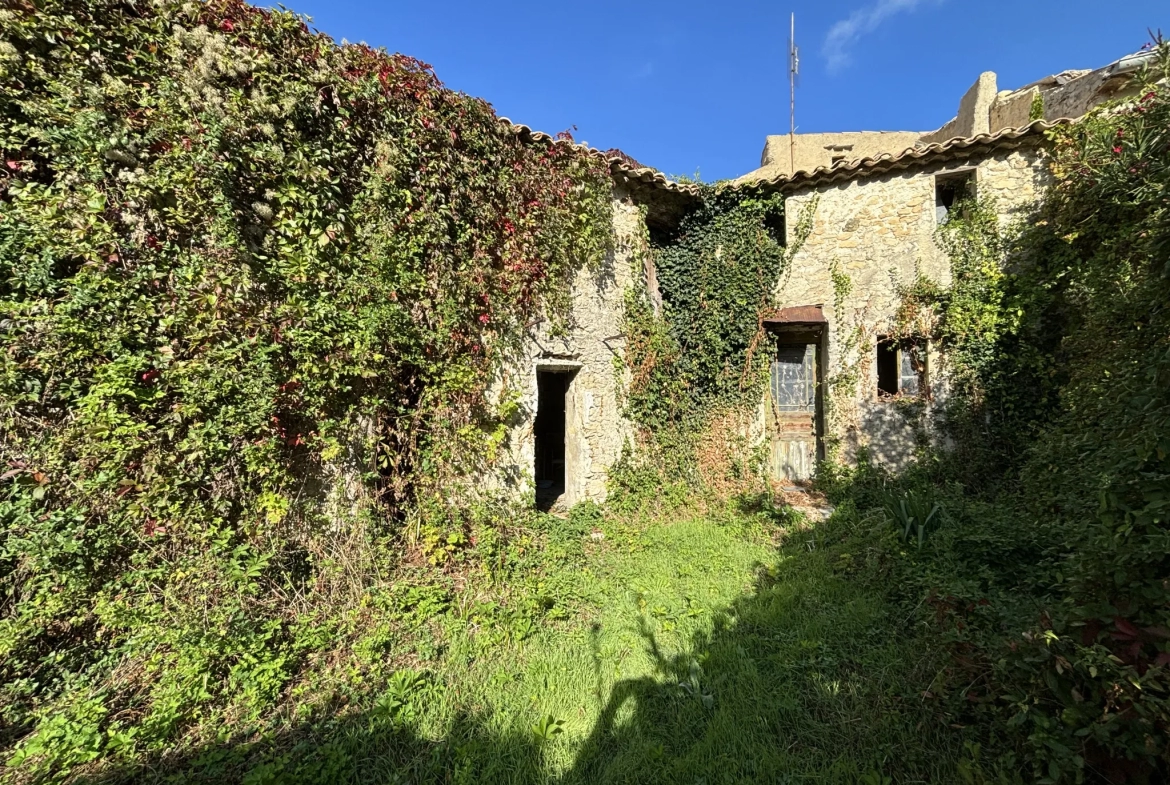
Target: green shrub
913, 514
1048, 583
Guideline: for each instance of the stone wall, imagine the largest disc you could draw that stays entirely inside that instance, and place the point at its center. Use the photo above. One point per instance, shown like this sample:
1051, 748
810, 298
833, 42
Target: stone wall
1083, 93
1012, 109
595, 428
982, 110
879, 232
811, 151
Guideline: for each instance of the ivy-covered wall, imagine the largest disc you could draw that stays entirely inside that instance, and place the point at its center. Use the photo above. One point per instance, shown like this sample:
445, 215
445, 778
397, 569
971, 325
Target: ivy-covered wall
696, 366
255, 289
587, 346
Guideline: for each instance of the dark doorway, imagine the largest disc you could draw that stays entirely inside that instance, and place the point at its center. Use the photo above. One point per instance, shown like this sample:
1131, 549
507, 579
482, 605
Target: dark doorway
549, 430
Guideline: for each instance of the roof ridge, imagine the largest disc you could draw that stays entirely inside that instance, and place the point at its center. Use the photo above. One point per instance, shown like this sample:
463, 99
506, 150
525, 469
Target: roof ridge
617, 166
847, 170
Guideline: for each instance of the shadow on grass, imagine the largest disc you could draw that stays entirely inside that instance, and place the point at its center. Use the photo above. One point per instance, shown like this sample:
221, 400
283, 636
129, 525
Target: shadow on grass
808, 678
367, 747
796, 683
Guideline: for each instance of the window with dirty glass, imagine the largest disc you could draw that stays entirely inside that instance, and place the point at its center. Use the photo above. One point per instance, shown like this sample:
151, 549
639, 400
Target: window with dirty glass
793, 379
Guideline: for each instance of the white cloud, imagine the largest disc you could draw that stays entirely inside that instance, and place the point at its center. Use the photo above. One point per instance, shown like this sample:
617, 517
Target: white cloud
843, 35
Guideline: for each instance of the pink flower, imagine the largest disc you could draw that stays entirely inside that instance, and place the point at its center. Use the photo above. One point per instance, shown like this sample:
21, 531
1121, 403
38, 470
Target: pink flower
1117, 149
484, 318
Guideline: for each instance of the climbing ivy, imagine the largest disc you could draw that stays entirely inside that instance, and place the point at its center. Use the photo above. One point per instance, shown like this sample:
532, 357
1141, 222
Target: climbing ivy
717, 275
249, 278
703, 357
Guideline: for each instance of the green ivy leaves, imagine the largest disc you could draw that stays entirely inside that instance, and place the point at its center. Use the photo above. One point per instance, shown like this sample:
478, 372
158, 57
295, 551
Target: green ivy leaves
233, 256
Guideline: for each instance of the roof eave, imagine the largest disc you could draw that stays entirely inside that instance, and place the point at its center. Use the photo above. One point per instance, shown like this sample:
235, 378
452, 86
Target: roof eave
621, 171
938, 152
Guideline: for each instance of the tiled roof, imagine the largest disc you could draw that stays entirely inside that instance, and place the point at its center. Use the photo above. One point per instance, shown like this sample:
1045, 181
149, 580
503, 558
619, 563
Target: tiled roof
959, 147
618, 163
630, 161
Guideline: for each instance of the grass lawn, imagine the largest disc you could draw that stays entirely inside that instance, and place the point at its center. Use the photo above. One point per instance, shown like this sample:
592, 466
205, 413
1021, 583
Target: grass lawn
699, 650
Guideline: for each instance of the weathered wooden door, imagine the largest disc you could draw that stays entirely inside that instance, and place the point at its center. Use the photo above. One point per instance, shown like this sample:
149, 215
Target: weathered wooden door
793, 408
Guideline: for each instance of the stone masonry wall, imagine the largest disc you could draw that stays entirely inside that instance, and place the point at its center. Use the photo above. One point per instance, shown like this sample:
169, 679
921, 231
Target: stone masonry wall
1082, 94
810, 151
1012, 110
595, 428
879, 231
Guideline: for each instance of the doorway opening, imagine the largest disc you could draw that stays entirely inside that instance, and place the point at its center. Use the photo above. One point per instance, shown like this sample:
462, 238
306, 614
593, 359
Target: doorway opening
550, 431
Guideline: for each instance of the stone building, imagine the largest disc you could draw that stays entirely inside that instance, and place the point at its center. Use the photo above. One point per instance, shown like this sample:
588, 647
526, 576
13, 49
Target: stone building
569, 427
983, 109
843, 374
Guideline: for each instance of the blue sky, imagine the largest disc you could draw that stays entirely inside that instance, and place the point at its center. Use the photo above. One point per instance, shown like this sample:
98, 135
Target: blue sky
690, 86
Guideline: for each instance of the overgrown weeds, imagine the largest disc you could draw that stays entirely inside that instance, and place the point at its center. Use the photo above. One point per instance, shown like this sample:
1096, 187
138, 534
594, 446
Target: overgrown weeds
1045, 573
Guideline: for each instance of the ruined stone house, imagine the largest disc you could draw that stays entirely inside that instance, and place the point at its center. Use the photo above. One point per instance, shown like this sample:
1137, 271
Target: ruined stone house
570, 428
982, 110
839, 372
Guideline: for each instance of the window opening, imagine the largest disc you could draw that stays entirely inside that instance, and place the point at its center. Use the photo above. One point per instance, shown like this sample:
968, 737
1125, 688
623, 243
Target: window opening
836, 159
901, 367
549, 431
777, 227
793, 378
912, 367
950, 190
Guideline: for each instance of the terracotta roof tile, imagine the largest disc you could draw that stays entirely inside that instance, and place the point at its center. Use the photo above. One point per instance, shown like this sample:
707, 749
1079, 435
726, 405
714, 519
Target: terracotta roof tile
913, 156
619, 163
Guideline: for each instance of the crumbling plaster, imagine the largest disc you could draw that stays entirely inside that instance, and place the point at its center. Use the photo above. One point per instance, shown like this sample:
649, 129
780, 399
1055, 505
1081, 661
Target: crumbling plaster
809, 151
879, 231
1079, 95
1012, 109
1069, 94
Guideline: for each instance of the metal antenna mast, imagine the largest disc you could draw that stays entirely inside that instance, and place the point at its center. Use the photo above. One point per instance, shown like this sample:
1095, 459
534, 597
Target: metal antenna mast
793, 71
